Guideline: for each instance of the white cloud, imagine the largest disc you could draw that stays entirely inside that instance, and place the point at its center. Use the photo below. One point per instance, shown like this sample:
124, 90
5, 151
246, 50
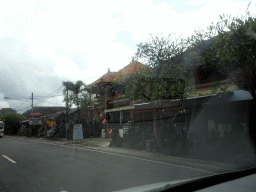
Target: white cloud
3, 103
46, 42
197, 2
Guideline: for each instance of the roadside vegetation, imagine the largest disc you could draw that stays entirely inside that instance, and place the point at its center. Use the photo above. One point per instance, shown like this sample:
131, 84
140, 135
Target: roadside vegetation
11, 123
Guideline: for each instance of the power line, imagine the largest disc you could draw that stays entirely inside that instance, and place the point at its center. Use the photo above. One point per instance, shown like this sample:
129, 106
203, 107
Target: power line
50, 95
23, 108
21, 103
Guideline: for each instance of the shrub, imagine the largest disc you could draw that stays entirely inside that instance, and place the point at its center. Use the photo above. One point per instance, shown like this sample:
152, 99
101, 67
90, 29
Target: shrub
12, 122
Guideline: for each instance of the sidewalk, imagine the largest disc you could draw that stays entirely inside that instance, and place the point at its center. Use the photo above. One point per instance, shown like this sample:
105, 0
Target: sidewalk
93, 142
101, 145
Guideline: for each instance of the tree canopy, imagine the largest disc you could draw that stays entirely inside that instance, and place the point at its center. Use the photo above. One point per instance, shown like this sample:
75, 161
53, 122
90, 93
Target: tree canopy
12, 122
165, 77
75, 94
232, 48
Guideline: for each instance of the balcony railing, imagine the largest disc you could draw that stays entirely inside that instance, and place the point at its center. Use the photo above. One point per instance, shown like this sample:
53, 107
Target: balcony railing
117, 102
209, 85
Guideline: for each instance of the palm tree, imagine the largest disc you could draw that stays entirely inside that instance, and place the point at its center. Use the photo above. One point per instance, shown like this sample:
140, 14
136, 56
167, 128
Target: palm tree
75, 96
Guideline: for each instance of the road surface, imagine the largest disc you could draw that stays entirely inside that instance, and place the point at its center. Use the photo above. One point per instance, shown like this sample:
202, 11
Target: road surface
35, 166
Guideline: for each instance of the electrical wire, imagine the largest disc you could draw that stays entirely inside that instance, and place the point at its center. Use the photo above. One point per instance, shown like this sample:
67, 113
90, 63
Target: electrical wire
40, 101
21, 104
50, 95
23, 108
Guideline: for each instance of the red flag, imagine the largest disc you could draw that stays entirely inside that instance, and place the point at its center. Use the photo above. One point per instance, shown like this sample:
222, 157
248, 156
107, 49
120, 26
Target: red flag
101, 116
105, 122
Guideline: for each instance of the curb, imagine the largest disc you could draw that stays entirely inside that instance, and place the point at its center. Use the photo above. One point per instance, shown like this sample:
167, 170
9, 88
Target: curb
214, 167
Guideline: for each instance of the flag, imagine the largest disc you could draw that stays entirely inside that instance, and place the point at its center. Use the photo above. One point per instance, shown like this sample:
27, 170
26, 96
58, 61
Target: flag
101, 116
105, 122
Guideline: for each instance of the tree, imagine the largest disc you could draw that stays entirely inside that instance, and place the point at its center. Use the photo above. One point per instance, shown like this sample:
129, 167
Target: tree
165, 77
75, 95
87, 99
12, 122
141, 85
230, 45
234, 50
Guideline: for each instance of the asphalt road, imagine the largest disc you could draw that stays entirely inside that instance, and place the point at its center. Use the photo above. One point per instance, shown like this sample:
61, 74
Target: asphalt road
33, 166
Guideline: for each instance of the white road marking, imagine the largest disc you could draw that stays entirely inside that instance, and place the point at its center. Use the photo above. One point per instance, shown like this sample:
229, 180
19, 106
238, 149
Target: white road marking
8, 159
64, 191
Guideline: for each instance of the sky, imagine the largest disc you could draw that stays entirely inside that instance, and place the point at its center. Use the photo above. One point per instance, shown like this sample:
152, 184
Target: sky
43, 43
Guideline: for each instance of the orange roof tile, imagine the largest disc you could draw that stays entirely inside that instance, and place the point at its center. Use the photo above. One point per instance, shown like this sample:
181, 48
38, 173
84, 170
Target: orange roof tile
7, 109
36, 114
132, 67
112, 76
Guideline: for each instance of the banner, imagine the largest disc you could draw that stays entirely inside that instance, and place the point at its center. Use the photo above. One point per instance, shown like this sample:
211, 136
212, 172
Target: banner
101, 116
78, 132
34, 121
105, 122
49, 123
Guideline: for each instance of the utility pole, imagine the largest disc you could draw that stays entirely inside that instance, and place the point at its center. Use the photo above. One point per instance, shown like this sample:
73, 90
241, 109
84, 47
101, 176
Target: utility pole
67, 117
32, 102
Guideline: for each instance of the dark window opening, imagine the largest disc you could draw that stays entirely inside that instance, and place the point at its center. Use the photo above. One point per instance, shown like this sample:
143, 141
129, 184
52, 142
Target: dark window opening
207, 74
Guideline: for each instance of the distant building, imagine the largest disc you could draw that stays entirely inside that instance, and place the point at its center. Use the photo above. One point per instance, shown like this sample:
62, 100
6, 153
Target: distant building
4, 111
43, 110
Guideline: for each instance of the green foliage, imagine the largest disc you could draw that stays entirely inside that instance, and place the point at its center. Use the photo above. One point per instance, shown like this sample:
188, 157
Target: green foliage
87, 98
144, 86
25, 133
12, 122
229, 45
164, 56
165, 76
75, 93
215, 87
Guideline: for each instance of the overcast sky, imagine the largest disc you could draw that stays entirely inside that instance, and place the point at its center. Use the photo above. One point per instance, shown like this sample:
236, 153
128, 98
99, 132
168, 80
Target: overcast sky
43, 43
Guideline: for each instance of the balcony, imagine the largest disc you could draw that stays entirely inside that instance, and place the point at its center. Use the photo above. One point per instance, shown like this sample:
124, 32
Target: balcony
117, 102
206, 86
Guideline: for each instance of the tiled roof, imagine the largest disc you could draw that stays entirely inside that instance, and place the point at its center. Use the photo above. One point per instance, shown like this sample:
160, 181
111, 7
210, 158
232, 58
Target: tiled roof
70, 111
44, 110
8, 109
112, 76
135, 66
36, 114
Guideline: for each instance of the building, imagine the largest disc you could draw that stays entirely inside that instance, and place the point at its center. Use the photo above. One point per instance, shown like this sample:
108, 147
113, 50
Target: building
118, 112
103, 90
4, 111
43, 110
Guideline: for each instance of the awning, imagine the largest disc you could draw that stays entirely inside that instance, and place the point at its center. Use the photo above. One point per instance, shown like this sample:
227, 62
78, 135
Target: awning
25, 121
